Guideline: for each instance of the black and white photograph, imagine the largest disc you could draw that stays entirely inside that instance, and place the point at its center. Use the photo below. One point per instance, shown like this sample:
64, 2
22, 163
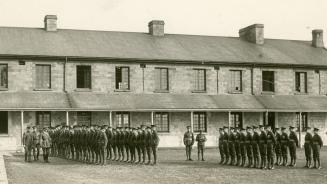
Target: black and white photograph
163, 92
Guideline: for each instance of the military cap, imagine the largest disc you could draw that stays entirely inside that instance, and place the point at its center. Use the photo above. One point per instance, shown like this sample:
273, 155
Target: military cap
316, 129
28, 127
220, 128
188, 126
260, 126
232, 128
308, 128
148, 127
248, 127
277, 128
225, 127
153, 125
254, 127
268, 126
283, 128
292, 127
109, 126
242, 129
143, 125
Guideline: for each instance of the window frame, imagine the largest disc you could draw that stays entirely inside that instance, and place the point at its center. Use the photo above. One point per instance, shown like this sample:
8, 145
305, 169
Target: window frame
199, 121
6, 87
117, 88
78, 115
37, 122
161, 121
121, 114
77, 76
304, 124
268, 82
197, 81
232, 83
37, 79
233, 115
159, 83
298, 82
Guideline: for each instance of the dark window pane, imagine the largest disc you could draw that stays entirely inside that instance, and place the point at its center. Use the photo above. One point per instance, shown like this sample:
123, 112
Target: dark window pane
268, 81
161, 77
236, 119
199, 121
3, 122
43, 76
122, 78
122, 119
301, 82
84, 77
236, 81
3, 76
161, 120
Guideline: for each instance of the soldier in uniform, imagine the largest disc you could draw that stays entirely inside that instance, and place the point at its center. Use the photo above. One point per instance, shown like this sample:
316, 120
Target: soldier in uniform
284, 145
143, 142
148, 144
278, 148
243, 146
109, 145
154, 143
126, 143
263, 147
139, 145
237, 146
102, 141
307, 147
316, 146
201, 139
231, 147
132, 141
249, 149
188, 142
45, 144
28, 143
271, 142
255, 147
220, 146
114, 144
36, 143
292, 144
225, 145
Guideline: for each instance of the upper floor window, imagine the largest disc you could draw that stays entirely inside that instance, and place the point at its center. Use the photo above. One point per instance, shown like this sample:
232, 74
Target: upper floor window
161, 120
43, 118
199, 121
83, 76
43, 76
122, 78
3, 76
199, 80
268, 81
236, 80
301, 82
236, 119
161, 79
122, 119
84, 118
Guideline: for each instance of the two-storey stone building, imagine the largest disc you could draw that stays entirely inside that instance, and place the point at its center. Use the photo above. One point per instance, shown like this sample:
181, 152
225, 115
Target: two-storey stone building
53, 76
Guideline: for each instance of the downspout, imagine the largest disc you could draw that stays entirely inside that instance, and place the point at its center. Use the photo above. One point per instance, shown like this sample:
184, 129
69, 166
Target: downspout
64, 77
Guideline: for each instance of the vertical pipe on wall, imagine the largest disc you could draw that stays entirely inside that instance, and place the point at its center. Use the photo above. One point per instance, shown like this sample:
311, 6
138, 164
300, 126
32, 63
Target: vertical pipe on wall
300, 128
229, 117
22, 125
67, 118
192, 121
152, 116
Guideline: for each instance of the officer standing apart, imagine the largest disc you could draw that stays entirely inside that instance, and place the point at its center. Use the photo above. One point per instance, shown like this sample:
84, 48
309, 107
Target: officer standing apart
45, 144
201, 139
28, 143
316, 146
307, 147
293, 143
188, 142
154, 143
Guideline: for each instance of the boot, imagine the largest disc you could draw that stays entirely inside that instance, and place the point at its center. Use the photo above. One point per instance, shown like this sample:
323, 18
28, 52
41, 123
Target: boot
318, 166
309, 163
294, 162
314, 163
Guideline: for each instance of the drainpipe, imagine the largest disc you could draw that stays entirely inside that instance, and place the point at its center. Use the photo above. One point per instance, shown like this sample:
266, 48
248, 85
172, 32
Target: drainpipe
64, 87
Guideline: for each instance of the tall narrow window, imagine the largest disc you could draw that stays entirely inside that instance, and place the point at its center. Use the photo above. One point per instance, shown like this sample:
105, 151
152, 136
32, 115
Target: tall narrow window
43, 76
161, 79
199, 80
301, 82
161, 120
304, 121
199, 121
83, 76
3, 76
122, 78
122, 119
268, 81
236, 119
236, 81
84, 118
43, 118
3, 122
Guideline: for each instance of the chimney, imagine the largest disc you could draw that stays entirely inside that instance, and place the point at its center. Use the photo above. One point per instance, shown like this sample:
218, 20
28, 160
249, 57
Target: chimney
317, 38
50, 22
156, 28
253, 34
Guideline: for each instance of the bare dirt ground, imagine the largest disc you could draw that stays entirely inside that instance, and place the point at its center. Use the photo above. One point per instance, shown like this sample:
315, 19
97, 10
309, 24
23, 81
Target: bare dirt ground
172, 168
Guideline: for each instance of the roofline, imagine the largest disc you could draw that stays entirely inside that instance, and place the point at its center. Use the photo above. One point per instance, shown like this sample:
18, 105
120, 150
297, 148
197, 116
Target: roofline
174, 61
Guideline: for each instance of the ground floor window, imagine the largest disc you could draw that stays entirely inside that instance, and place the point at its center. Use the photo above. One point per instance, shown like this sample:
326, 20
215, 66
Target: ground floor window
43, 119
304, 121
236, 119
123, 119
84, 118
3, 122
199, 121
161, 120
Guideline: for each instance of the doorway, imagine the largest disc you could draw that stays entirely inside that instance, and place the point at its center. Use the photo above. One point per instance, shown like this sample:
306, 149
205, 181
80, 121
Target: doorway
3, 122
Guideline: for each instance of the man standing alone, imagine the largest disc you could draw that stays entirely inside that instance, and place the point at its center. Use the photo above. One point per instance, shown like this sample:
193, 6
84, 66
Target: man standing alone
188, 142
201, 139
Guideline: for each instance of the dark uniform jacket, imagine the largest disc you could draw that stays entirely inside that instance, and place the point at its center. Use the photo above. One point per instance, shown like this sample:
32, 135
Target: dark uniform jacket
293, 138
255, 138
263, 138
155, 138
308, 138
271, 139
28, 139
188, 139
45, 140
201, 139
316, 140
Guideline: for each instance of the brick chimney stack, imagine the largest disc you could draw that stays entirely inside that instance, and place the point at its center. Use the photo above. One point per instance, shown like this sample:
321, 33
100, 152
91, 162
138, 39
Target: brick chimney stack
318, 38
50, 22
156, 28
253, 34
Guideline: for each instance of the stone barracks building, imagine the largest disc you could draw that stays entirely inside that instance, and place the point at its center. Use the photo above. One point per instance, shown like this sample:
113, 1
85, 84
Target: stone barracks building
51, 76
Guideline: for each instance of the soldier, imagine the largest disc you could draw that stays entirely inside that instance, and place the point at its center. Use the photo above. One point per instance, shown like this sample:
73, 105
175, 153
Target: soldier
237, 146
231, 147
143, 142
148, 143
36, 143
71, 142
139, 145
278, 148
292, 144
201, 139
188, 142
154, 143
307, 147
28, 143
243, 146
132, 140
316, 146
255, 147
114, 144
46, 144
249, 149
109, 145
126, 143
284, 145
225, 145
263, 147
102, 141
220, 146
271, 142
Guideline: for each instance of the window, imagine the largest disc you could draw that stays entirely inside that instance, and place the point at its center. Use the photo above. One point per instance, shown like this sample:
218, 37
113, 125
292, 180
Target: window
161, 78
84, 77
304, 119
122, 78
84, 118
268, 81
43, 119
236, 119
3, 122
122, 119
161, 120
236, 81
199, 121
3, 76
43, 76
199, 80
301, 82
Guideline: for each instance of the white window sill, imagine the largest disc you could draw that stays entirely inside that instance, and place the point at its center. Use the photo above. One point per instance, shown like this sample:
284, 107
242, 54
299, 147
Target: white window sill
83, 89
122, 90
42, 89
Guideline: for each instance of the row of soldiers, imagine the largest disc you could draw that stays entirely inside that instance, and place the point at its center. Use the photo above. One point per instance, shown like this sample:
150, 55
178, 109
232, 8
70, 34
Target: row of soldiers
96, 144
258, 146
